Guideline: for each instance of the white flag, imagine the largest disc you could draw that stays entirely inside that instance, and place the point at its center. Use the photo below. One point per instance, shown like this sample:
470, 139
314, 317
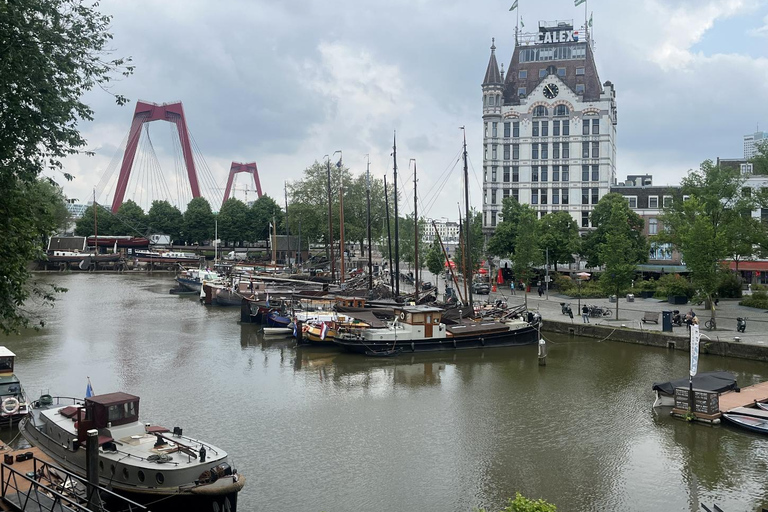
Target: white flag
695, 338
514, 6
578, 2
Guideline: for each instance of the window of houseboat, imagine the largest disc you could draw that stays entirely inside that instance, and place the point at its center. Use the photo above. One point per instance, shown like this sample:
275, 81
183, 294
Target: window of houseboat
418, 318
6, 363
122, 411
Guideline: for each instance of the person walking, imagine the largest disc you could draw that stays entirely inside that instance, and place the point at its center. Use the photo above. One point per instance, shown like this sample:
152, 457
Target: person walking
585, 313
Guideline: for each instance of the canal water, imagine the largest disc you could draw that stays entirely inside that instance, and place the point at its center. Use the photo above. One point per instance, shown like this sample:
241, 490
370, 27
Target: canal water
317, 430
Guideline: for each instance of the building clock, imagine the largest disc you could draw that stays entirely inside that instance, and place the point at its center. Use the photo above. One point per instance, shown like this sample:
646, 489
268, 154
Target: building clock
550, 91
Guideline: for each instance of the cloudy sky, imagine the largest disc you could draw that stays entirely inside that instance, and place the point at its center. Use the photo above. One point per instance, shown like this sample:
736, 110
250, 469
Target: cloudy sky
284, 83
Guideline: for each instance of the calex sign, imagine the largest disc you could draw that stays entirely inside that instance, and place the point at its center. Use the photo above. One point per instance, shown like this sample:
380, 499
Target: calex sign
558, 36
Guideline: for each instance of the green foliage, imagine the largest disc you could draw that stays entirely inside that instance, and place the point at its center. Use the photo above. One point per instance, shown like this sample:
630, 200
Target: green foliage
232, 222
265, 211
758, 299
527, 252
591, 289
620, 264
523, 504
559, 233
504, 239
164, 218
703, 226
130, 220
674, 284
435, 259
729, 286
408, 240
199, 224
53, 52
29, 214
636, 249
760, 160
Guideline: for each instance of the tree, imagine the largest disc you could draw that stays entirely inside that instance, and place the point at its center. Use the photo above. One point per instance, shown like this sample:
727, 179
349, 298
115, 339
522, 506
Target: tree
233, 221
760, 160
527, 250
265, 211
199, 224
560, 234
700, 226
103, 221
637, 244
53, 51
407, 240
435, 259
166, 219
130, 220
620, 264
504, 238
356, 210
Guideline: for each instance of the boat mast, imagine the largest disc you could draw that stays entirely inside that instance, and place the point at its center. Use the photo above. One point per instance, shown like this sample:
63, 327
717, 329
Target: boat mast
329, 253
287, 233
95, 225
462, 247
448, 261
341, 224
467, 222
397, 224
389, 234
415, 237
368, 200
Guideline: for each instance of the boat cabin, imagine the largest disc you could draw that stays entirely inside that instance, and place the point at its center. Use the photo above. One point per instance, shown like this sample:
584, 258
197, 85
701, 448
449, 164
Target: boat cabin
7, 358
351, 302
420, 316
107, 411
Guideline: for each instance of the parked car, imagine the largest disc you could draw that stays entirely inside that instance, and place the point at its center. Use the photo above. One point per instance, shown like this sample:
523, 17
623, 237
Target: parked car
481, 288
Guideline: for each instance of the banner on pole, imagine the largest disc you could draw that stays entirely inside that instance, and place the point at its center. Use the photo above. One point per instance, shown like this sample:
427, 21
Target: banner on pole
695, 338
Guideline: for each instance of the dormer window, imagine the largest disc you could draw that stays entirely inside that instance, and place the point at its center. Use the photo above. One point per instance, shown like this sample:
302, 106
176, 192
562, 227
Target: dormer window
579, 88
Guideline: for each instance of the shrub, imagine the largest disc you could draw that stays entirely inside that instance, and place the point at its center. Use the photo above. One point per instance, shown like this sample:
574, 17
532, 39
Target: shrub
730, 285
758, 299
523, 504
673, 284
646, 285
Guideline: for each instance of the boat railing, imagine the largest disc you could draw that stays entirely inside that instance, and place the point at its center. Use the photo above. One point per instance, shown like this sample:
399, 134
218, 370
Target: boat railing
53, 488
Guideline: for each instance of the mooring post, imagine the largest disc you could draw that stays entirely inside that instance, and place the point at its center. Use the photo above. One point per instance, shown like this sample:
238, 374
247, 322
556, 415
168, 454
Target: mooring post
542, 352
92, 468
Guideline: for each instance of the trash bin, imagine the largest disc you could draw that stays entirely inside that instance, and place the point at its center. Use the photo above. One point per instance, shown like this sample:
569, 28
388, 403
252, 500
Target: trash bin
630, 297
612, 298
666, 321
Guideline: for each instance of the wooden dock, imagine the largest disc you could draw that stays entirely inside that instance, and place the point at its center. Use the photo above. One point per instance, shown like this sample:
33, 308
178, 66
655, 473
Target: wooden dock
746, 398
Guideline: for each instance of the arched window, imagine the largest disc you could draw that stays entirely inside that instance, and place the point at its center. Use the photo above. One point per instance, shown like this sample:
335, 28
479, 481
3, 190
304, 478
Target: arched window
561, 110
540, 111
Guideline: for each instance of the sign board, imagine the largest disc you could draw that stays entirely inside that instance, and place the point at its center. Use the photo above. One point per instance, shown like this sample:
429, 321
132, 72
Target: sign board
562, 33
705, 402
695, 338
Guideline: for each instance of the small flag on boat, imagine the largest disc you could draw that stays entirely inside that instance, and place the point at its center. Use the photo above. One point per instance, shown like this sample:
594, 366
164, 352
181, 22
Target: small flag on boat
88, 389
323, 331
267, 304
294, 329
514, 6
577, 3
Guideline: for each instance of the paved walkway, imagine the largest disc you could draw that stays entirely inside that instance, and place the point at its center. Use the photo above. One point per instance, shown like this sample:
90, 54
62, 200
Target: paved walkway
631, 313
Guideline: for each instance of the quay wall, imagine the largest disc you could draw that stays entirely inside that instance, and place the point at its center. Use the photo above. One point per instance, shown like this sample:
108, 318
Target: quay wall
714, 346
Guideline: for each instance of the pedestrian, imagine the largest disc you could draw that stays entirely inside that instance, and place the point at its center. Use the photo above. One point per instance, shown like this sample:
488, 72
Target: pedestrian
585, 313
749, 288
541, 291
512, 287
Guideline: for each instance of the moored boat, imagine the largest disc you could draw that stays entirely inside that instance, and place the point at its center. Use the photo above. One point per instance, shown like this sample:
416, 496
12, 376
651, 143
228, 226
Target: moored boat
748, 422
13, 401
147, 464
419, 328
707, 381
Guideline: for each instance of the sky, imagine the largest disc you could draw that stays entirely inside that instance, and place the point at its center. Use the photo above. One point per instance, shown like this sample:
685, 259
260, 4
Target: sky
284, 83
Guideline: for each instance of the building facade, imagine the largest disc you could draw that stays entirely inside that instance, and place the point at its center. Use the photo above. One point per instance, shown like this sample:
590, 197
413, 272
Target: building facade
448, 231
751, 142
549, 135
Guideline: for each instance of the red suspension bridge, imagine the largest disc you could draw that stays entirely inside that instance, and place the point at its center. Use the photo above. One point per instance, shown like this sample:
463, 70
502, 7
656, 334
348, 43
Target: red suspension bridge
141, 177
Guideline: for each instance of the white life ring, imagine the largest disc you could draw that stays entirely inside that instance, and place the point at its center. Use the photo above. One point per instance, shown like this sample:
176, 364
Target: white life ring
402, 315
10, 405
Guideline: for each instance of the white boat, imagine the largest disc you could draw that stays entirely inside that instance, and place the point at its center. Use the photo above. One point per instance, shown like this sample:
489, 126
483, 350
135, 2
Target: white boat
144, 463
281, 331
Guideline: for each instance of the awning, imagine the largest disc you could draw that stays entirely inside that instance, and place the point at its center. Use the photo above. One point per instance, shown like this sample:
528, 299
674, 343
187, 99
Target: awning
760, 266
666, 269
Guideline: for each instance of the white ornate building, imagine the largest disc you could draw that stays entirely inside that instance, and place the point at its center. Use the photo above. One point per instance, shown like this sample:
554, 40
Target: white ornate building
549, 127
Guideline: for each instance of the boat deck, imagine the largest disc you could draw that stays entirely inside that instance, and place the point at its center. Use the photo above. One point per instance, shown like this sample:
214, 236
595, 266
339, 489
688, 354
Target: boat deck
746, 398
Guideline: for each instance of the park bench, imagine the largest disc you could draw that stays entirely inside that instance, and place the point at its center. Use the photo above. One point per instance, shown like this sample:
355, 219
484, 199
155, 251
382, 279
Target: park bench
651, 316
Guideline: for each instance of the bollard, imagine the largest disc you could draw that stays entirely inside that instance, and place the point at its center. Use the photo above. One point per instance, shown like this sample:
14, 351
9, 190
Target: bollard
542, 352
92, 468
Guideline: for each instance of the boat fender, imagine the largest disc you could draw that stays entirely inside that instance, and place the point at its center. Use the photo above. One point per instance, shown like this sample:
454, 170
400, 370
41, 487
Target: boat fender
482, 341
10, 405
413, 347
454, 343
402, 316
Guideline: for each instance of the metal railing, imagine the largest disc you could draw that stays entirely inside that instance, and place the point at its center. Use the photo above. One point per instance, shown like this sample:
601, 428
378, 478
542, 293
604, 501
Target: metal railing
54, 488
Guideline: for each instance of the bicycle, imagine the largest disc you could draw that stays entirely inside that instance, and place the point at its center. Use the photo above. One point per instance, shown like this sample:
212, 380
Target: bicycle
710, 324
